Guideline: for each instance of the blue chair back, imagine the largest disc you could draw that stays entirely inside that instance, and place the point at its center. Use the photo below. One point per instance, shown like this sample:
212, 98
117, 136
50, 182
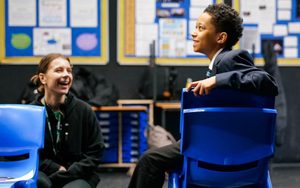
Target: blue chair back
227, 138
22, 135
226, 98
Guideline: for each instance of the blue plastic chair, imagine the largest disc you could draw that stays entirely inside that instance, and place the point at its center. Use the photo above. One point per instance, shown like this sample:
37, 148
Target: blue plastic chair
227, 139
21, 136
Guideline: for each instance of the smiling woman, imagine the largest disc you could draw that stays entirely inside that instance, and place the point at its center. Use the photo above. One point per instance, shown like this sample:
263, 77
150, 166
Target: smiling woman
73, 140
55, 78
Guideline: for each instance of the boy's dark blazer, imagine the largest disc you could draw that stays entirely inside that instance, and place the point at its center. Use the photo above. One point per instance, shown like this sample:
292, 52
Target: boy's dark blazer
235, 69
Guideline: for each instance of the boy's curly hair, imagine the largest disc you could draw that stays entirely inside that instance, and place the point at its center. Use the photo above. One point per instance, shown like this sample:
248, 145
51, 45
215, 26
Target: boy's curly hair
226, 19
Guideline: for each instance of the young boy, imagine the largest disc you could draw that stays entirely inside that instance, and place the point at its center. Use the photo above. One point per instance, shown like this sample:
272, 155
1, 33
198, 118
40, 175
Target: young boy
217, 30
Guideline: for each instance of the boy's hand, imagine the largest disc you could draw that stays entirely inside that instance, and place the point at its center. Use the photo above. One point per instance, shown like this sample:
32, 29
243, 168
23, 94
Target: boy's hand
203, 87
62, 168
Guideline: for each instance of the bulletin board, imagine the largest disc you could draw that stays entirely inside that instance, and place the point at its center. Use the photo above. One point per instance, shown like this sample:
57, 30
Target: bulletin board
33, 28
170, 22
277, 21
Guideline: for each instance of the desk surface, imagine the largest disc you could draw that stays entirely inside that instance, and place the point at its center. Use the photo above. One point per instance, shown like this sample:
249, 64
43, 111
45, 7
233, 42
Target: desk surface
120, 108
135, 101
168, 105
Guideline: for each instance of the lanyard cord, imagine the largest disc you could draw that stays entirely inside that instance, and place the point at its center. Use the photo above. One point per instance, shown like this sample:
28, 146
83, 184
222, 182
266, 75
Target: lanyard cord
58, 129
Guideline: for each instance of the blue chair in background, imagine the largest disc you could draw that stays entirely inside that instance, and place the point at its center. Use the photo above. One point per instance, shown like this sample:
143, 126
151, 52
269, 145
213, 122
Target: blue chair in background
227, 139
21, 136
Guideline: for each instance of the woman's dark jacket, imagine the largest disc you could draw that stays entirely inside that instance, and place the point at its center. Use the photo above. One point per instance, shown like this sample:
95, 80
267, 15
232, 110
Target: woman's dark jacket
81, 144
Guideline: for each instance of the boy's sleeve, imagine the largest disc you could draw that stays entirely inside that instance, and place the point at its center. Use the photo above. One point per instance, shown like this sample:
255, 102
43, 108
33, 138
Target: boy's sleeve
239, 72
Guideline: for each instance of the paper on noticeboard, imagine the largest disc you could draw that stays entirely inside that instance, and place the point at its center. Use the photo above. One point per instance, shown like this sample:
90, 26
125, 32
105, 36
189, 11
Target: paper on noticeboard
294, 27
250, 39
195, 12
144, 36
280, 30
53, 13
290, 41
202, 3
284, 4
22, 13
52, 41
284, 14
290, 52
83, 13
145, 11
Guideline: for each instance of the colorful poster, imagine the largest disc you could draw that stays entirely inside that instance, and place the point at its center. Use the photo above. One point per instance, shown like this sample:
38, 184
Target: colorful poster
51, 41
172, 37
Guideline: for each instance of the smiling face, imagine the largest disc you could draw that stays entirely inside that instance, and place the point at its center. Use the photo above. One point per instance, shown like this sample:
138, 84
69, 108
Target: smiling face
206, 38
58, 78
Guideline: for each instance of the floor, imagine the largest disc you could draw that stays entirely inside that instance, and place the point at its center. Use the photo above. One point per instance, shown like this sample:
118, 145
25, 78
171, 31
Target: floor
285, 175
282, 175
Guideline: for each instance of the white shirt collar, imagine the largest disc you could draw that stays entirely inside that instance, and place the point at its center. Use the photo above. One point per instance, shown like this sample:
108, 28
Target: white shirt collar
213, 59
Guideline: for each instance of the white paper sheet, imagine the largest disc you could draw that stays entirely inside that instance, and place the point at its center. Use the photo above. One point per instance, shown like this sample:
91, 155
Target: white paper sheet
145, 11
84, 13
294, 27
250, 37
22, 13
249, 11
290, 41
53, 13
290, 52
280, 30
284, 4
51, 41
144, 36
284, 14
201, 3
266, 16
261, 12
195, 12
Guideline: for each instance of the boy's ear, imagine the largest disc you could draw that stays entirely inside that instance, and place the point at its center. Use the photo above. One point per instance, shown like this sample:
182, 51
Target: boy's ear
222, 38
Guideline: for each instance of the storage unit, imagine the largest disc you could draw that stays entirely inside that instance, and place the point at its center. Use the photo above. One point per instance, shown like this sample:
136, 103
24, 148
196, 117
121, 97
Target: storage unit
149, 104
123, 129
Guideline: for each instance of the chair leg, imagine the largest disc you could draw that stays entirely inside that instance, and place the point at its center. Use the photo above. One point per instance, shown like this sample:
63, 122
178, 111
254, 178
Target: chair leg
173, 181
269, 182
265, 182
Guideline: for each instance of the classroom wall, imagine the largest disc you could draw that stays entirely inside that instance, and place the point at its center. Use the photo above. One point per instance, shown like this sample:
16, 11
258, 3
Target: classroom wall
13, 79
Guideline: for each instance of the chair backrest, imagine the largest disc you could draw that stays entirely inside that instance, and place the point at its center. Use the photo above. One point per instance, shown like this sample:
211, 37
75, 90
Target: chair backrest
227, 138
226, 98
22, 129
227, 126
21, 126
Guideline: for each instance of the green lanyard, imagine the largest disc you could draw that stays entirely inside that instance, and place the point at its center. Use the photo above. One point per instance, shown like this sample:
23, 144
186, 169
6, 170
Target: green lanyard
58, 129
